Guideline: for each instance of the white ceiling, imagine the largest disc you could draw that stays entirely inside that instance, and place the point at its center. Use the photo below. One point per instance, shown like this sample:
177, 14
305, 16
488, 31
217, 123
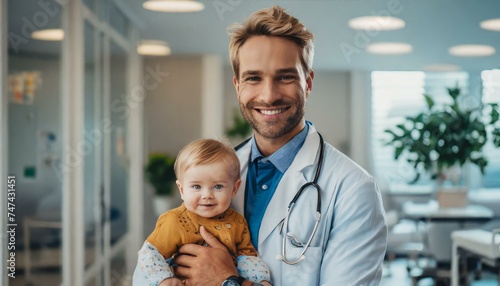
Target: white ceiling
432, 26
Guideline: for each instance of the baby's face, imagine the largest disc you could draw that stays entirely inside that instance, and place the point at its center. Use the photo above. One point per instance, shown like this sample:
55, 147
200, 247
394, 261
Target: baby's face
207, 189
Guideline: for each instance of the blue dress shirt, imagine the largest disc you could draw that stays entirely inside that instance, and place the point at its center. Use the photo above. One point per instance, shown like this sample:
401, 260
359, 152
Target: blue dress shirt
264, 174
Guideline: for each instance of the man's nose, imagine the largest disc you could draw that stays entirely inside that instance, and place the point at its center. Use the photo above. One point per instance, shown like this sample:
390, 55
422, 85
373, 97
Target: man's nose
270, 91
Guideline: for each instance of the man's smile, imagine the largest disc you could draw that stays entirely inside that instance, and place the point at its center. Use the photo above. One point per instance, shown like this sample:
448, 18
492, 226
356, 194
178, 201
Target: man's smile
272, 111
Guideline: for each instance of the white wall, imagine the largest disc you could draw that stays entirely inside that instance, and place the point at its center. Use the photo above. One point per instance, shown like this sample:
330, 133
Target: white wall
328, 107
172, 110
360, 119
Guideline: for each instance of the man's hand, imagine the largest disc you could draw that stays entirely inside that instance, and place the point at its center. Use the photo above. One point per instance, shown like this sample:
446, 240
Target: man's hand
201, 265
173, 281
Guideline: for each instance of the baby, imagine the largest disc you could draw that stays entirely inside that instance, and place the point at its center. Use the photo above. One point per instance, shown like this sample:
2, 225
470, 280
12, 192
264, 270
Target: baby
208, 177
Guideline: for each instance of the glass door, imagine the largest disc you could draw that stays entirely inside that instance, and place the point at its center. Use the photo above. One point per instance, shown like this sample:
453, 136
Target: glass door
106, 179
93, 179
65, 118
34, 138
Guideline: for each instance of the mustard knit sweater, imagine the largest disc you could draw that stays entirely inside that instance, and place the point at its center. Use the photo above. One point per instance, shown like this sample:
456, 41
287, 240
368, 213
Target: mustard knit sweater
180, 226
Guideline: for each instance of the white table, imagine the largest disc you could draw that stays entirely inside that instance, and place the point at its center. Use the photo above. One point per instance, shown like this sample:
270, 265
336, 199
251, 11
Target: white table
431, 212
480, 243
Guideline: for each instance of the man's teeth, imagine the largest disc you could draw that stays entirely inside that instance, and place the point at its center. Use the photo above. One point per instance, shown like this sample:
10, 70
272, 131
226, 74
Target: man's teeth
272, 112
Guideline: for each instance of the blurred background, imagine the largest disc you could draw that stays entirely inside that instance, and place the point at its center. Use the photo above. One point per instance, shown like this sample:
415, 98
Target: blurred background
98, 94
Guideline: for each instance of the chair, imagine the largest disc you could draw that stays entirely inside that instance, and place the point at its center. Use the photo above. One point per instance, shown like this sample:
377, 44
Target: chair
482, 244
404, 238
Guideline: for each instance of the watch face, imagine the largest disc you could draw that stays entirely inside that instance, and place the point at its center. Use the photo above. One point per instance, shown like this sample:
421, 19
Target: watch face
231, 281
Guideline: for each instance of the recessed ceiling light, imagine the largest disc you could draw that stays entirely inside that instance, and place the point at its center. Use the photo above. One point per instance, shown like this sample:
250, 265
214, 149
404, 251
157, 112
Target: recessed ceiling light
492, 24
376, 23
153, 48
389, 48
441, 68
175, 6
472, 50
48, 35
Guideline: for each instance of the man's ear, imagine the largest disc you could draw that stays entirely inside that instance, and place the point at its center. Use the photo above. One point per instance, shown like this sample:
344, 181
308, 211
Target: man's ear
236, 84
236, 187
309, 82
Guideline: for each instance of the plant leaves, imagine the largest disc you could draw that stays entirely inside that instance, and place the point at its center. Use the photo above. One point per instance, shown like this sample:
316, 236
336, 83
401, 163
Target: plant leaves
430, 102
440, 138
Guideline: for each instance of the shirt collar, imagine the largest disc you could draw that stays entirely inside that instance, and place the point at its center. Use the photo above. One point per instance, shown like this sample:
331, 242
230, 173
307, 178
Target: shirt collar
283, 158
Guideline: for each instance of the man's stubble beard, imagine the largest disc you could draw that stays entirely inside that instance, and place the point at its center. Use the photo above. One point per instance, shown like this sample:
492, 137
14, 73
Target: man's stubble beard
273, 130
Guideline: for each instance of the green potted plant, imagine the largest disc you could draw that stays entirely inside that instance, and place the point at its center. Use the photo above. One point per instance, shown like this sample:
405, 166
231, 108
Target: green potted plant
441, 139
240, 128
159, 172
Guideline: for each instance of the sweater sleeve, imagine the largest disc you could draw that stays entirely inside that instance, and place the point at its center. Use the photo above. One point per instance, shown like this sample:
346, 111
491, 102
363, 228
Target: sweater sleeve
244, 245
167, 236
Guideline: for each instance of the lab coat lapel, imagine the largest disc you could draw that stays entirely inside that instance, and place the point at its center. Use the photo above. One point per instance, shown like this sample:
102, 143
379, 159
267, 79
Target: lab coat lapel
289, 185
238, 202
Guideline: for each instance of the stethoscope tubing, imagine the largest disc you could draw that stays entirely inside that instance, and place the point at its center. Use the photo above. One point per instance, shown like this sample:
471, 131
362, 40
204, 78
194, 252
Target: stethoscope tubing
292, 203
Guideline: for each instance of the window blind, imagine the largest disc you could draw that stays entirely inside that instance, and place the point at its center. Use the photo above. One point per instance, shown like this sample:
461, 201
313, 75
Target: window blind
491, 94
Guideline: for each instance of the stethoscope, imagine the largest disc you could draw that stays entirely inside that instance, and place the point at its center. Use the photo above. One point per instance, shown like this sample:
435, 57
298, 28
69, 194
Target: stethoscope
292, 203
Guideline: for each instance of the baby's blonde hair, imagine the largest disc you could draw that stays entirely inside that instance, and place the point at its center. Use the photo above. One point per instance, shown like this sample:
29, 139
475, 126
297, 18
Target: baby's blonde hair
275, 22
207, 151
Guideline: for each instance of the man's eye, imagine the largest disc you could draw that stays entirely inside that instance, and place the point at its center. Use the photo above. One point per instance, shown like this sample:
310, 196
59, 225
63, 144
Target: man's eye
218, 187
287, 77
252, 78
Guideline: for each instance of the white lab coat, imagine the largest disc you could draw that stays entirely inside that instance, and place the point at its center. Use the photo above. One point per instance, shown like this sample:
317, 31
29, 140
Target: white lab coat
350, 243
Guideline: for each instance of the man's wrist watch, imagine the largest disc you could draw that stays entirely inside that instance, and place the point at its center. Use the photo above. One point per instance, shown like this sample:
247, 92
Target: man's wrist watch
233, 280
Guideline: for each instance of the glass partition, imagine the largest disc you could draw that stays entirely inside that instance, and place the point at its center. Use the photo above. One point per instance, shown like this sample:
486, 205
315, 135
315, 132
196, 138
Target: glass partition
95, 134
94, 139
118, 112
34, 137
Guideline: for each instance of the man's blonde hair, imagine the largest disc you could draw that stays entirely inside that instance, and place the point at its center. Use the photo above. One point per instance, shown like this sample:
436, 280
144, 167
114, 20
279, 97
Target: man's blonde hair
207, 151
274, 22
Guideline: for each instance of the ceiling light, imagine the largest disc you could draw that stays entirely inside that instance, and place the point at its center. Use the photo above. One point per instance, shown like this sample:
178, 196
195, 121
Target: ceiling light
441, 68
175, 6
48, 35
492, 24
153, 48
472, 50
376, 23
387, 48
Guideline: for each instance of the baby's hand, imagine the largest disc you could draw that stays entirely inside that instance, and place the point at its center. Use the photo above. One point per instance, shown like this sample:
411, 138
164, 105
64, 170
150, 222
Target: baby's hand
172, 281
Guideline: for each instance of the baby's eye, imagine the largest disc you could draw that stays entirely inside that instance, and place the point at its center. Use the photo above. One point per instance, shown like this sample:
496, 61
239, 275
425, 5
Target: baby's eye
196, 187
218, 186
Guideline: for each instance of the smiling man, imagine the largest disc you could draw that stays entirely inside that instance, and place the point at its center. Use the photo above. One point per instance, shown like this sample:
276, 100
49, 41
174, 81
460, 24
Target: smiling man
315, 217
